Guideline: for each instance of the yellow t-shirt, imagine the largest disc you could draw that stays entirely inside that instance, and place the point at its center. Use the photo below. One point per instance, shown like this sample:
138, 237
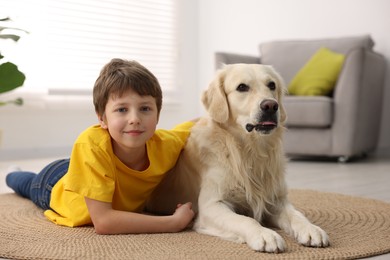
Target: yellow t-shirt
95, 172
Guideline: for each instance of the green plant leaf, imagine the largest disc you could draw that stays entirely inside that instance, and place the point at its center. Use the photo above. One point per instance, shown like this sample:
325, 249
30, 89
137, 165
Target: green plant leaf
5, 19
10, 36
18, 102
10, 77
12, 28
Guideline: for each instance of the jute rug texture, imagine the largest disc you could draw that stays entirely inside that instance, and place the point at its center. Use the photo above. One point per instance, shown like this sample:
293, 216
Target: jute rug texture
357, 228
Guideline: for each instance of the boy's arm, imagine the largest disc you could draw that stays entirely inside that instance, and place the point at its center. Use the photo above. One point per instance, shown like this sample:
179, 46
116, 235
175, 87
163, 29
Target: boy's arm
106, 220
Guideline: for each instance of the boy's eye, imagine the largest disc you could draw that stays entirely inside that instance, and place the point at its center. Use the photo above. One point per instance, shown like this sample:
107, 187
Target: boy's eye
145, 108
122, 109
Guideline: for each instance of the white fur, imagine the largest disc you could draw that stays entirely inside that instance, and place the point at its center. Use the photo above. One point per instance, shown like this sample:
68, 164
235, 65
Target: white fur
235, 178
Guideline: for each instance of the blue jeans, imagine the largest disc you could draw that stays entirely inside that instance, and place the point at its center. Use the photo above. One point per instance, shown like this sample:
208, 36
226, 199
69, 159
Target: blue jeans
37, 187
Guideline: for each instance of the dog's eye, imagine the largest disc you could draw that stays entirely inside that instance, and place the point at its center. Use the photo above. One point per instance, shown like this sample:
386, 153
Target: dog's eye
271, 85
242, 88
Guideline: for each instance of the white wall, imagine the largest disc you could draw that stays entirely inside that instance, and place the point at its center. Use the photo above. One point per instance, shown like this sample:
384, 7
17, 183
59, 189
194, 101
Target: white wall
240, 25
48, 126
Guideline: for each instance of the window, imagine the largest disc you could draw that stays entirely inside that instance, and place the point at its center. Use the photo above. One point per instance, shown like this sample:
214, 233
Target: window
71, 40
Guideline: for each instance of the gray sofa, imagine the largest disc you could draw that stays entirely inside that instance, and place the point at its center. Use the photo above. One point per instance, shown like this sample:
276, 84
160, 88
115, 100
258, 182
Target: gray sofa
344, 125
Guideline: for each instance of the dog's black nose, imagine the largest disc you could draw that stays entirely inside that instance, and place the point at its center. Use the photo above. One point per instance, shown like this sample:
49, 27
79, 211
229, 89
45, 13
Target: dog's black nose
269, 106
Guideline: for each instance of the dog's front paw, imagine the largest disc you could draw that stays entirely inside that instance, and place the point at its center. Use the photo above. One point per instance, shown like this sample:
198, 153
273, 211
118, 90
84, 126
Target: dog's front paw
312, 235
266, 240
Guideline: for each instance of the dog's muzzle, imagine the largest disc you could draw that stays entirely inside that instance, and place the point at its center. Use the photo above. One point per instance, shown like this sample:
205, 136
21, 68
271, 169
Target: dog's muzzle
268, 118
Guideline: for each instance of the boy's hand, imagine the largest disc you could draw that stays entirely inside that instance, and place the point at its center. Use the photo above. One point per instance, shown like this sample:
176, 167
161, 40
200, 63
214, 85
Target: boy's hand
106, 220
183, 216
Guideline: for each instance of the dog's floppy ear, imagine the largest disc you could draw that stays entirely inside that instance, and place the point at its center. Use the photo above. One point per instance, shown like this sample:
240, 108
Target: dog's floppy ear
283, 114
283, 92
214, 99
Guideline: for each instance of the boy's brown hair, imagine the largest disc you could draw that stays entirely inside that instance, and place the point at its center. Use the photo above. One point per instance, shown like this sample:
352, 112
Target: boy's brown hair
118, 76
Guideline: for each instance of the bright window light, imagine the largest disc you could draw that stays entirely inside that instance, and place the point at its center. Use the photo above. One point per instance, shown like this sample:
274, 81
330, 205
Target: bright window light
69, 41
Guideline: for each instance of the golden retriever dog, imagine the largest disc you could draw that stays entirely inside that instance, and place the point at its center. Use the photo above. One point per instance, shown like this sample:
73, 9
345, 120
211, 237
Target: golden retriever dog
232, 167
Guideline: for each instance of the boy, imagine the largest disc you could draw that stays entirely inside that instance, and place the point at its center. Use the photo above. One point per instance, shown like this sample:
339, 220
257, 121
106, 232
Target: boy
114, 166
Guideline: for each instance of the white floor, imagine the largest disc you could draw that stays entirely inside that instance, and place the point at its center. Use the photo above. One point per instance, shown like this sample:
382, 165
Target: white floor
368, 178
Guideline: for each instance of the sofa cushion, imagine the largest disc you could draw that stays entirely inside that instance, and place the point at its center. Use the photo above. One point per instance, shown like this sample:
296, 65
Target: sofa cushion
319, 75
309, 111
288, 57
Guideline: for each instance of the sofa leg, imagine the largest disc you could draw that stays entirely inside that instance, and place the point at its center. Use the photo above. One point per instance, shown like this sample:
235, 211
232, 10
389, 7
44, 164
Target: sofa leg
344, 159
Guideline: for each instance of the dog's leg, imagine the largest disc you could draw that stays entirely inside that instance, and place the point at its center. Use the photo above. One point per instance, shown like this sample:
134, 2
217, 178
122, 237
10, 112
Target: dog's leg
217, 219
296, 224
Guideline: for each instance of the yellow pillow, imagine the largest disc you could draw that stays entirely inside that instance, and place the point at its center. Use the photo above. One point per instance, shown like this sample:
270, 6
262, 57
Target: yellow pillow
319, 75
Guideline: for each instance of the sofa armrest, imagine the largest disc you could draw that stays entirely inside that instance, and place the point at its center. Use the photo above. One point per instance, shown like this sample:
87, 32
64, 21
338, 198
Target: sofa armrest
358, 102
222, 58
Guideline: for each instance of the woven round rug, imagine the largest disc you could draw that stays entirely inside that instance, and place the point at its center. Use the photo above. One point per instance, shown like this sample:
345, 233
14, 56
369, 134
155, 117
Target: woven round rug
357, 228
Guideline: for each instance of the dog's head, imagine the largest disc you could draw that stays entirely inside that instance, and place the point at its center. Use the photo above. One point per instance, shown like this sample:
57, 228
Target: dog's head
250, 95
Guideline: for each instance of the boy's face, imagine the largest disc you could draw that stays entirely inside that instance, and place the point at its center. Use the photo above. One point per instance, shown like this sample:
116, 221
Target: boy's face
131, 120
